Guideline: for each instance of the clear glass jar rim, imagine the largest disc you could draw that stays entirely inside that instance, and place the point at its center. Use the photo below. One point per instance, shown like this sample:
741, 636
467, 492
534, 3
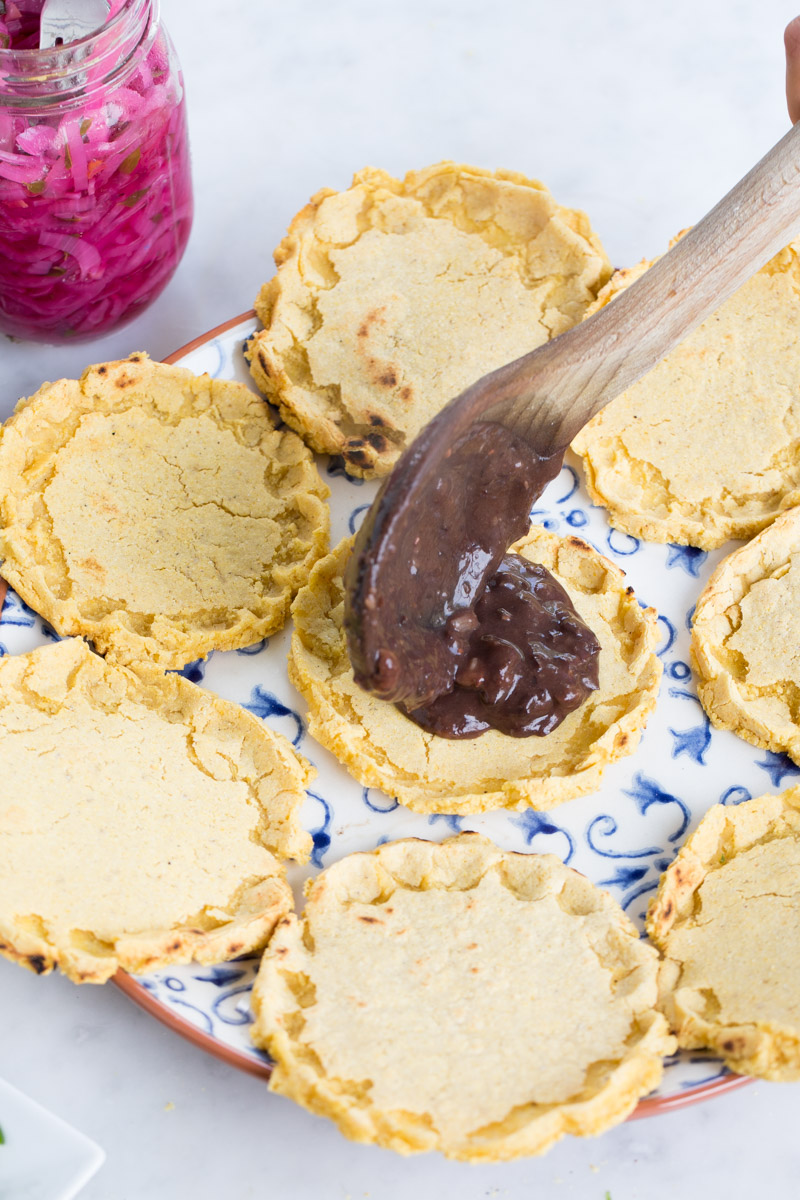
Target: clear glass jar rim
58, 74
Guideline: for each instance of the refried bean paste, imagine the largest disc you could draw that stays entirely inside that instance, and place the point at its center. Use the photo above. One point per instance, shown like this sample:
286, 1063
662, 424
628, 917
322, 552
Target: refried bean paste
442, 622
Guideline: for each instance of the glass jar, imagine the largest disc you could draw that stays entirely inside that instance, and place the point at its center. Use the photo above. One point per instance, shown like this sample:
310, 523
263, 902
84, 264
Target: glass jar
95, 187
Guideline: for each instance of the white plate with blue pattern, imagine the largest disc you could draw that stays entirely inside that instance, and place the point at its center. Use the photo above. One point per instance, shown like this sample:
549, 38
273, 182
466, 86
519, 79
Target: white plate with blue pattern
622, 837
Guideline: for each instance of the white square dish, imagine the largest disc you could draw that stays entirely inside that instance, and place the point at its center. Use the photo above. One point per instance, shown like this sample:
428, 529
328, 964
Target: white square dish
42, 1157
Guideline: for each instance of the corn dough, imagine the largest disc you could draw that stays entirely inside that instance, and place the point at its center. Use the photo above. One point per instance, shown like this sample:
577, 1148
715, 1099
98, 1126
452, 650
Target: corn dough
706, 446
156, 512
746, 639
456, 997
383, 748
142, 819
727, 921
393, 296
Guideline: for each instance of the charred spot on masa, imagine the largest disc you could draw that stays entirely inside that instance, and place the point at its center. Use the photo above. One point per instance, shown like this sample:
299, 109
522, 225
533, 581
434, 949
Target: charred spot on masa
370, 319
173, 947
628, 591
357, 456
377, 441
668, 910
576, 541
102, 370
236, 947
374, 419
388, 378
622, 740
265, 367
282, 951
405, 393
369, 920
124, 381
135, 358
733, 1045
91, 564
678, 872
37, 963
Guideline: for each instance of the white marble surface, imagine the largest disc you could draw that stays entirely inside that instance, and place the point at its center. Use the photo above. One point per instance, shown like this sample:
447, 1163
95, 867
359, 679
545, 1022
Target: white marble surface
643, 115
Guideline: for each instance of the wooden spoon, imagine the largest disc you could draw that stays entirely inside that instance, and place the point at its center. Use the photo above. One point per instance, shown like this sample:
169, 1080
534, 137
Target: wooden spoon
441, 507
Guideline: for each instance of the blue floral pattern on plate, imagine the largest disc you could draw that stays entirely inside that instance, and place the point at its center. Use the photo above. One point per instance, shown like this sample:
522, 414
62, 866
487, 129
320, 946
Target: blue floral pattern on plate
622, 837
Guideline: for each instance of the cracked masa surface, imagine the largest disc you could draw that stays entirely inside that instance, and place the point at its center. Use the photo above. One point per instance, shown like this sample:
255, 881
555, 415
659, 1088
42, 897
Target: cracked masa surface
157, 512
382, 748
706, 446
746, 639
142, 819
727, 921
393, 296
457, 997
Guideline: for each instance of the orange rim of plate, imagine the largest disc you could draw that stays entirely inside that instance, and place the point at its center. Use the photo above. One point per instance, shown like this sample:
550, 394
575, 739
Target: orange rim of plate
235, 1058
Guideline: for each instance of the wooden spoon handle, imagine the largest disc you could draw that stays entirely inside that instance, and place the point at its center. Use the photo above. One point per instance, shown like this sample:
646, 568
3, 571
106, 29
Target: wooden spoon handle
563, 384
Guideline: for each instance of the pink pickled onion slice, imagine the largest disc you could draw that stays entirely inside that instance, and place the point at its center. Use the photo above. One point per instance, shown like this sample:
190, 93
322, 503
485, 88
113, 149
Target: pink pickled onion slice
95, 205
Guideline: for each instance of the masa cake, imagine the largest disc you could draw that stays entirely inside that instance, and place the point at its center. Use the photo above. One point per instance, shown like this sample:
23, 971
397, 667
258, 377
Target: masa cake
746, 639
383, 748
460, 998
393, 296
143, 820
726, 919
704, 447
158, 513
